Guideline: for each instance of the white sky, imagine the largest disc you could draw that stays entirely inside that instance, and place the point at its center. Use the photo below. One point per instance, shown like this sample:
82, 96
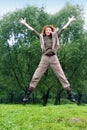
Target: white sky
51, 6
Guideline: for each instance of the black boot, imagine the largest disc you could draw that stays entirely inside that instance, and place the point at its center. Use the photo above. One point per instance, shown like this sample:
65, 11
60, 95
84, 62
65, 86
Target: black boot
26, 98
70, 96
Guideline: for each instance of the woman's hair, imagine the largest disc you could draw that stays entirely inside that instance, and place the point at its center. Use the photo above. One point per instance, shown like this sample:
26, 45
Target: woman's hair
48, 26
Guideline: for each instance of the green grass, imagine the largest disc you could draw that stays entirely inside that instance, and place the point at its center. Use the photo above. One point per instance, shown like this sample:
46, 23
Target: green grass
37, 117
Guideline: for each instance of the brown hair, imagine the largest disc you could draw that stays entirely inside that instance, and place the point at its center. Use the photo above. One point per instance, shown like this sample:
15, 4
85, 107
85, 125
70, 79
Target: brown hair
48, 26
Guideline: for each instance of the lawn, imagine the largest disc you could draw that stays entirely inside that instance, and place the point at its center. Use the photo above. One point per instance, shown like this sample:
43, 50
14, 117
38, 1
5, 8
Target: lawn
38, 117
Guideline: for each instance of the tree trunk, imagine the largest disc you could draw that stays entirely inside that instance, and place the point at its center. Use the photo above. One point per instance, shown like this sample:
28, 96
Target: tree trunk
79, 98
11, 97
58, 96
46, 96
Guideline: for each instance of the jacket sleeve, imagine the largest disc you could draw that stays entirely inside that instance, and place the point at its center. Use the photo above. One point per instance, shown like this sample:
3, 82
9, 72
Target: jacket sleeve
36, 33
60, 32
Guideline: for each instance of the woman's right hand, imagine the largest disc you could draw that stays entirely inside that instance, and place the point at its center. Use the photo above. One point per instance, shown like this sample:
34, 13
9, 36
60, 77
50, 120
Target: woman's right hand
22, 21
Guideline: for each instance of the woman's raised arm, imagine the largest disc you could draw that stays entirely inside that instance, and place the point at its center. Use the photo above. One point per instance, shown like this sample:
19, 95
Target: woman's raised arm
68, 23
23, 21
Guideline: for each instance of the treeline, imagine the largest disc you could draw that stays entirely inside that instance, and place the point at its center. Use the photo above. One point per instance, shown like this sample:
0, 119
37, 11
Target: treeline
20, 54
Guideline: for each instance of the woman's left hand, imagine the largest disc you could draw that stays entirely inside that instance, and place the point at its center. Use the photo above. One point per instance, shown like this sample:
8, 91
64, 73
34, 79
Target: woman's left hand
71, 19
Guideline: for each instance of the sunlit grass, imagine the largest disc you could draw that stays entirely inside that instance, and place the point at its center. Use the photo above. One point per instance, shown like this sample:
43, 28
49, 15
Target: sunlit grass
37, 117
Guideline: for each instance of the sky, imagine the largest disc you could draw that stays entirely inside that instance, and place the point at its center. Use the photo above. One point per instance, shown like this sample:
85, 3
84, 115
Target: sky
51, 6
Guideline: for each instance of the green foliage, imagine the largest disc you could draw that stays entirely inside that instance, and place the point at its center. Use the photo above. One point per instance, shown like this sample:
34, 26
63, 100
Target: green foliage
20, 52
36, 117
74, 31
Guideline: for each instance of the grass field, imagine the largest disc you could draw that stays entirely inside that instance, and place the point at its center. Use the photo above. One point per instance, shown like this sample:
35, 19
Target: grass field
37, 117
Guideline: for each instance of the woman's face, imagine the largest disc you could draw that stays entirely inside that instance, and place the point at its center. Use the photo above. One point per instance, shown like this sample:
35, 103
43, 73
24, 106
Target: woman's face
48, 31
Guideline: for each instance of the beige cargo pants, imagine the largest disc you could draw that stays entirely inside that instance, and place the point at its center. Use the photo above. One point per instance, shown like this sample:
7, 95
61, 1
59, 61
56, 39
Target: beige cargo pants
54, 63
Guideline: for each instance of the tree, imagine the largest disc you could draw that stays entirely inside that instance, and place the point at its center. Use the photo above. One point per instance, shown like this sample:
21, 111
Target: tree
18, 47
20, 53
75, 30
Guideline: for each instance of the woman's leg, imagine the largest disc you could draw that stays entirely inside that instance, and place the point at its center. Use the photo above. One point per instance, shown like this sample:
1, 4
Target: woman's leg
42, 67
55, 65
